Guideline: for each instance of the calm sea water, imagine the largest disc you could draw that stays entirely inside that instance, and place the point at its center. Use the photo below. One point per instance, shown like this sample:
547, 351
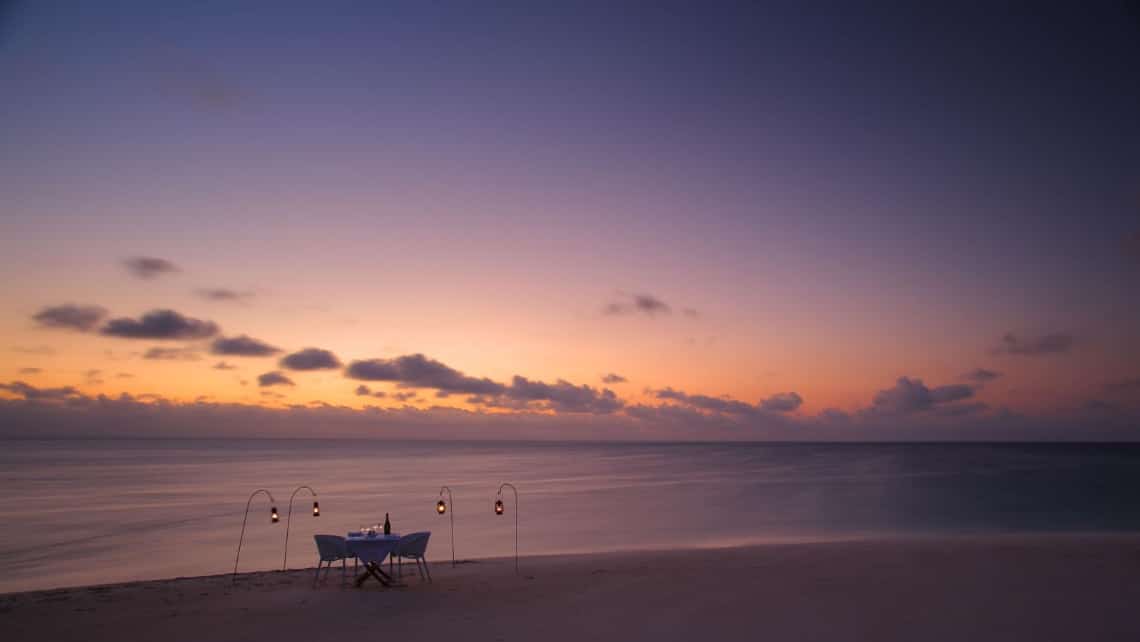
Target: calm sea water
84, 512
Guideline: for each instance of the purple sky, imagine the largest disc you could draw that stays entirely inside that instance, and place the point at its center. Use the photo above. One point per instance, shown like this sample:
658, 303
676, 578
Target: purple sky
860, 207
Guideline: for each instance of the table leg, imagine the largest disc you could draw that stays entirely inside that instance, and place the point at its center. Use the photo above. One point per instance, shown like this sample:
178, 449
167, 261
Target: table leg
372, 569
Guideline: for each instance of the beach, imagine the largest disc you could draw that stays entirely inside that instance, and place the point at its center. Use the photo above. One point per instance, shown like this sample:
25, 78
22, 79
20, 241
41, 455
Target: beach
993, 587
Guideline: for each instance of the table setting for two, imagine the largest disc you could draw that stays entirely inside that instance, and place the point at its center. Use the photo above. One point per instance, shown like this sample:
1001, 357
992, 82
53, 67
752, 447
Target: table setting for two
371, 546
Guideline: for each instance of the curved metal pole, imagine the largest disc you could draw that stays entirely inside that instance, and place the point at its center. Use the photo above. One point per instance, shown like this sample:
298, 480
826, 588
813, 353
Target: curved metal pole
499, 494
452, 503
289, 522
243, 520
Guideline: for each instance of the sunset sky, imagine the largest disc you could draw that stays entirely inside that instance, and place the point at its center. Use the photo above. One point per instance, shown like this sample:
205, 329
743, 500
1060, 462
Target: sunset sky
767, 221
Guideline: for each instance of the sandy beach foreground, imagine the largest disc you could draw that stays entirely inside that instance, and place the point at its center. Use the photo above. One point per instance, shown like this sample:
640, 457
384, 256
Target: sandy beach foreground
968, 588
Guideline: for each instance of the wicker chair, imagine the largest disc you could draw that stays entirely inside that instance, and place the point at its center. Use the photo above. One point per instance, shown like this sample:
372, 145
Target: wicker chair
332, 548
413, 547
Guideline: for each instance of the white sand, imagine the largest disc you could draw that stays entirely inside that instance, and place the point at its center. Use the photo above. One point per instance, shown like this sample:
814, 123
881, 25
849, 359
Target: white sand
970, 588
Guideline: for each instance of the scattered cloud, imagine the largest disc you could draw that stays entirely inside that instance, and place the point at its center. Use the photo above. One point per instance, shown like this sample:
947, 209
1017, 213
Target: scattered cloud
28, 391
690, 312
782, 402
94, 377
644, 304
30, 370
1055, 343
911, 395
404, 396
612, 378
364, 391
418, 371
172, 354
224, 295
149, 267
160, 324
222, 365
70, 316
705, 402
563, 396
28, 411
981, 375
310, 359
242, 346
124, 375
274, 378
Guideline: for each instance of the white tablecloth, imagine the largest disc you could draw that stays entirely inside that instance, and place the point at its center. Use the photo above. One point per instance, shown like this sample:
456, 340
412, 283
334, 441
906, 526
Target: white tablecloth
372, 549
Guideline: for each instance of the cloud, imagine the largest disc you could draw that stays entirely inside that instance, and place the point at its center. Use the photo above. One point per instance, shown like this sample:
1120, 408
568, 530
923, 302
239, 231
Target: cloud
30, 392
1055, 343
94, 376
364, 391
224, 295
418, 371
981, 375
563, 396
70, 316
782, 402
242, 346
172, 354
222, 365
705, 402
612, 378
30, 370
160, 324
645, 304
27, 411
149, 267
310, 359
690, 312
124, 375
404, 396
273, 378
911, 396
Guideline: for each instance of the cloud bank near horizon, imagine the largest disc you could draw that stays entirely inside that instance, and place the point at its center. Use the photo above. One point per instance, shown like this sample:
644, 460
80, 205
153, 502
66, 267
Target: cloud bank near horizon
29, 411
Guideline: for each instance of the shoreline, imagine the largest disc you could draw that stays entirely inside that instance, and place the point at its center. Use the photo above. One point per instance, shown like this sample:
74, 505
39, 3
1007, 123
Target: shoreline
1003, 587
742, 544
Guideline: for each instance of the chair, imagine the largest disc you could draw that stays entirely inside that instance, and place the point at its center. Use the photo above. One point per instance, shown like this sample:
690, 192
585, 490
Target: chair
413, 546
332, 548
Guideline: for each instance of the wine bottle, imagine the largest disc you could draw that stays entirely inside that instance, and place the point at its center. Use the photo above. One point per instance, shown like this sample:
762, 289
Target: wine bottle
387, 525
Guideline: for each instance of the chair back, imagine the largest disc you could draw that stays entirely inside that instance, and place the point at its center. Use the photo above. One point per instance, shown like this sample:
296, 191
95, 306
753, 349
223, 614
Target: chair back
413, 544
331, 547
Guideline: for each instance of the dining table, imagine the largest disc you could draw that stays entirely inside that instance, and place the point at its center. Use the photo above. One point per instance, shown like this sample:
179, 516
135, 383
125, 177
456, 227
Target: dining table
371, 549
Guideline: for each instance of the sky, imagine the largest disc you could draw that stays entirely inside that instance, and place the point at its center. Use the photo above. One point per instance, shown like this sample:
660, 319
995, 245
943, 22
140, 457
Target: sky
536, 220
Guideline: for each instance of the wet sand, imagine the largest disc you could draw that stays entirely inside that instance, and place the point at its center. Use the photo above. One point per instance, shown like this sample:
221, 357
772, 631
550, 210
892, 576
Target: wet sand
966, 588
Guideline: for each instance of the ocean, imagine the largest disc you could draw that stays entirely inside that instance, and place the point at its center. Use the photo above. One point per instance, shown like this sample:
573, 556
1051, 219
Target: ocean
76, 512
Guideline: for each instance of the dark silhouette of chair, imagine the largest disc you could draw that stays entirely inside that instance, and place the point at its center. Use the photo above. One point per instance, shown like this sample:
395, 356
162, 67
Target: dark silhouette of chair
412, 547
332, 548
